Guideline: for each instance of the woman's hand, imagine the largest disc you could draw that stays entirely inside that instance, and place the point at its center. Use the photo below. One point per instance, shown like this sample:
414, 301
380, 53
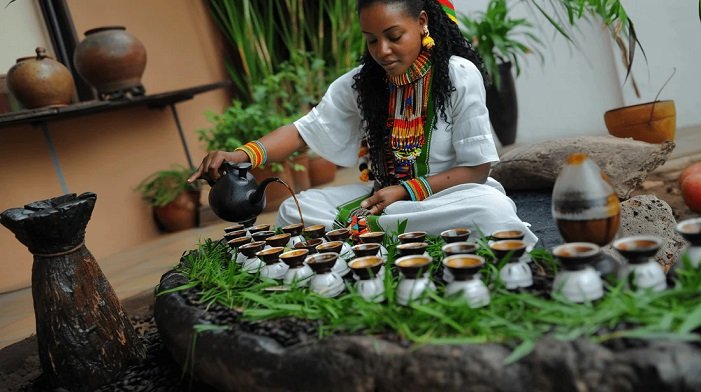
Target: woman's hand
383, 198
213, 160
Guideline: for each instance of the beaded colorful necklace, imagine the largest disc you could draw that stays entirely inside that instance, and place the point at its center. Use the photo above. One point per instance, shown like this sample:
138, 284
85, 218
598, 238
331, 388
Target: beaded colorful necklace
409, 95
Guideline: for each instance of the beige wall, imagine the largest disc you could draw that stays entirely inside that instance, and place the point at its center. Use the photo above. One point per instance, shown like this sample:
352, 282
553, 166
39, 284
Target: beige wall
109, 153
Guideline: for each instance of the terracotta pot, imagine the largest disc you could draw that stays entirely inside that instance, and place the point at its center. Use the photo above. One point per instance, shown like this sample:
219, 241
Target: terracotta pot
321, 171
275, 193
180, 214
111, 60
40, 81
301, 177
652, 122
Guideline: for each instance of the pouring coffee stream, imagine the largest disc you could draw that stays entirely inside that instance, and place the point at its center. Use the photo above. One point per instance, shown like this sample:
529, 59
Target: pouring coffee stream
236, 197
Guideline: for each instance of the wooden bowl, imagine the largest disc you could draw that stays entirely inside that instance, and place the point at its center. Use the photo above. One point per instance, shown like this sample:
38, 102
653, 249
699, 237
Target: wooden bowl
652, 122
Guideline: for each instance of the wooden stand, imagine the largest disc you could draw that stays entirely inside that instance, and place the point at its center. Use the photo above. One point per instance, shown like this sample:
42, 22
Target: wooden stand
85, 338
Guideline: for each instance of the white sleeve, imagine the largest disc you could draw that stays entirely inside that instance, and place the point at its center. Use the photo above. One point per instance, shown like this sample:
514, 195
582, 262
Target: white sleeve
472, 132
332, 128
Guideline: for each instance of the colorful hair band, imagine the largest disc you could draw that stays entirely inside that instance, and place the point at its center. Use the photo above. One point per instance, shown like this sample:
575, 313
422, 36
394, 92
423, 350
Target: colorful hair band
256, 153
418, 188
449, 9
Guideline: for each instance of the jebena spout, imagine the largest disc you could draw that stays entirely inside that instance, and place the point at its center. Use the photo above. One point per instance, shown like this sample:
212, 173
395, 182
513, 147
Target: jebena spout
258, 195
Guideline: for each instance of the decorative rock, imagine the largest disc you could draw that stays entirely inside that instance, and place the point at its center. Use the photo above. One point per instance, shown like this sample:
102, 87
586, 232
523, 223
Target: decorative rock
646, 214
626, 162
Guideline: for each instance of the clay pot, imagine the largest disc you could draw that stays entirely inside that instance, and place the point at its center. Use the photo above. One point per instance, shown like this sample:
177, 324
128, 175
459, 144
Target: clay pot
584, 204
40, 81
179, 214
111, 60
652, 122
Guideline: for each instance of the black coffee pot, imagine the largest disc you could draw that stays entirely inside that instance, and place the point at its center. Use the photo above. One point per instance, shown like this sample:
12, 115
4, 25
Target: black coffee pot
235, 196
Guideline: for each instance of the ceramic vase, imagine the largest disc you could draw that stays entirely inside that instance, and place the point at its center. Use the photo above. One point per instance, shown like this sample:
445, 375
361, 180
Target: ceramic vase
466, 283
369, 285
273, 268
642, 271
298, 274
325, 282
112, 60
690, 229
40, 81
415, 279
577, 280
515, 273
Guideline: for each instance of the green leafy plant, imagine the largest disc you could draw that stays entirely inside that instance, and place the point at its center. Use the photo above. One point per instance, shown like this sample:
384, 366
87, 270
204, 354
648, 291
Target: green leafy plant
517, 319
163, 186
499, 38
262, 34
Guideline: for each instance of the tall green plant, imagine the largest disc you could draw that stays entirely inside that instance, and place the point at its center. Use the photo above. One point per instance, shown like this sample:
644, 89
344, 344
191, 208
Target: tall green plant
499, 38
263, 34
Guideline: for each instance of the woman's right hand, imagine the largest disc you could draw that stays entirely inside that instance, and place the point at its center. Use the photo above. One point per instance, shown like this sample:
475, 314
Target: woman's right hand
209, 168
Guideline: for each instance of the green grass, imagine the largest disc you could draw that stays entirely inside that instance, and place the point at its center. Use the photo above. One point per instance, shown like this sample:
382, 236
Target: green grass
516, 319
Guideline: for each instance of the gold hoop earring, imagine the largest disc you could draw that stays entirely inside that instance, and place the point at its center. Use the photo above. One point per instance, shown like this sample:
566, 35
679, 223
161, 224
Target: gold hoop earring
427, 41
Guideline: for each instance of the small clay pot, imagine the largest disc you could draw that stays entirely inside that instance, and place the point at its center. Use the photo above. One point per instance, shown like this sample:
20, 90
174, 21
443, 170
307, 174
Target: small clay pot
463, 267
413, 266
501, 235
111, 60
372, 237
40, 81
309, 245
514, 248
330, 247
690, 229
237, 242
321, 263
294, 258
294, 229
257, 228
181, 213
362, 250
270, 255
234, 234
313, 231
262, 235
366, 267
638, 249
278, 240
249, 250
576, 255
411, 248
233, 227
412, 236
455, 235
459, 248
338, 234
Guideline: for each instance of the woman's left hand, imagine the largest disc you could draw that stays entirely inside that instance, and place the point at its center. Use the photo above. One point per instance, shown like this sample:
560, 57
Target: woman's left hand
383, 198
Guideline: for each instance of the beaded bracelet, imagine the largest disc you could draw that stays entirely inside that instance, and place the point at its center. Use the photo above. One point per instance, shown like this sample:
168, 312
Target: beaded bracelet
256, 153
418, 188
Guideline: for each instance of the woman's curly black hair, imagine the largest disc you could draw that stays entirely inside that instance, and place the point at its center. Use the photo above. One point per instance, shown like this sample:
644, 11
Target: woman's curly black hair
371, 80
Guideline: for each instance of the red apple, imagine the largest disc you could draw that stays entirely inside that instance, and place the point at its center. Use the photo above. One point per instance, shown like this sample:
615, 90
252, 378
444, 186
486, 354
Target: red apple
691, 191
691, 169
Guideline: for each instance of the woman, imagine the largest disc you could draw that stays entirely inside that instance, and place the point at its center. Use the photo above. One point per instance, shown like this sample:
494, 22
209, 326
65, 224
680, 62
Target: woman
415, 109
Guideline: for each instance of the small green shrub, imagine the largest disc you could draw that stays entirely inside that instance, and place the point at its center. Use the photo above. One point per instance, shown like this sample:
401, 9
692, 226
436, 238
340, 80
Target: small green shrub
163, 186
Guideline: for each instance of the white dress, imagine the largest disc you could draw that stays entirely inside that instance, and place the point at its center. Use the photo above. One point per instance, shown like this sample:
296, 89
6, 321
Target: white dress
333, 130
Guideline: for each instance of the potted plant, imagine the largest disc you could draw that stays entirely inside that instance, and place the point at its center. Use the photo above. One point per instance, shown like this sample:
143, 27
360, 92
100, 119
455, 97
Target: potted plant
175, 201
502, 42
654, 121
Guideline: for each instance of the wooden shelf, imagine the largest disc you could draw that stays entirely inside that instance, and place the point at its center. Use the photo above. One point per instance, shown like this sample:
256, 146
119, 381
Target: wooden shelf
155, 101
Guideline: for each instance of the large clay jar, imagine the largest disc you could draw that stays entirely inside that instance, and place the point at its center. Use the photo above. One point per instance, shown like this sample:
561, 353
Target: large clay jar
39, 81
111, 60
584, 204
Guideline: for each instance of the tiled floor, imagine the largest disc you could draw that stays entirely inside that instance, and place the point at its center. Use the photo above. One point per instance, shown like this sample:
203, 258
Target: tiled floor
139, 269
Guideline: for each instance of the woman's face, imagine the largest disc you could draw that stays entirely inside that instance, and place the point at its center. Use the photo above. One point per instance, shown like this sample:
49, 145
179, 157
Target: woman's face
393, 36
